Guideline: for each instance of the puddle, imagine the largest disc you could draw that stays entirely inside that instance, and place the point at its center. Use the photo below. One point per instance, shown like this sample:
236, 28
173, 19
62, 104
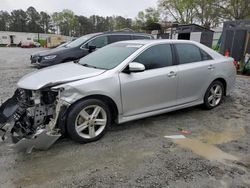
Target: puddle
204, 145
222, 137
207, 151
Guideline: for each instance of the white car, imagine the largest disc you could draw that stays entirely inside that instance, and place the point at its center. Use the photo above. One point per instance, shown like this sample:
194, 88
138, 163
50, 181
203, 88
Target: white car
121, 82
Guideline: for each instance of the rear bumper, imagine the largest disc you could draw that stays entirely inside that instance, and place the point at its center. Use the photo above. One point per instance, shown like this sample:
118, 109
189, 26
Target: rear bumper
230, 84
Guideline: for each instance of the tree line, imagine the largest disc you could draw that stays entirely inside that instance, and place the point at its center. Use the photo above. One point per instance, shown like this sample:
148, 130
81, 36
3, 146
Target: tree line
65, 22
208, 13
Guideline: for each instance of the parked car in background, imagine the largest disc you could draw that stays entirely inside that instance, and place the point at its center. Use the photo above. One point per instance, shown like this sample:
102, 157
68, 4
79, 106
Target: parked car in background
121, 82
30, 45
82, 47
26, 44
36, 44
63, 44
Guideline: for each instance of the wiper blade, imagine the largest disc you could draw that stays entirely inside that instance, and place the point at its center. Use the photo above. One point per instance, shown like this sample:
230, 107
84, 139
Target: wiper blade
87, 65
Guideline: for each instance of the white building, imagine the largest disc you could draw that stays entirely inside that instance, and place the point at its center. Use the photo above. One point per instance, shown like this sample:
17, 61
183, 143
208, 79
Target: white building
9, 37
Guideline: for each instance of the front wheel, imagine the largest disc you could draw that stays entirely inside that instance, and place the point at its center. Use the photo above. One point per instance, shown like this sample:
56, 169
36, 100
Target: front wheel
214, 95
88, 120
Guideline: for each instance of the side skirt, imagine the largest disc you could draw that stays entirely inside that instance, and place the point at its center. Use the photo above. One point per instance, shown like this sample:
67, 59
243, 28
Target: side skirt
123, 119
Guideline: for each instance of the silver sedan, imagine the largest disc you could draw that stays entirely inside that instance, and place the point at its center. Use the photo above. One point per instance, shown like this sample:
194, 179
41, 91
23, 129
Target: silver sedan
121, 82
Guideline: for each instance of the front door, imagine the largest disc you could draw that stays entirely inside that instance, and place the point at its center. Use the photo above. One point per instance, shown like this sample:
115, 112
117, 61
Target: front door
153, 89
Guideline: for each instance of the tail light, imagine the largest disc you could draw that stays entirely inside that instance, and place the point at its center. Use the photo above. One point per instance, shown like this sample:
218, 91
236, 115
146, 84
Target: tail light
235, 63
227, 53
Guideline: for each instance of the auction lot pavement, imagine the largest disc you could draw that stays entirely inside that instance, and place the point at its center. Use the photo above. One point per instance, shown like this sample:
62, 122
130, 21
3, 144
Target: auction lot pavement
136, 154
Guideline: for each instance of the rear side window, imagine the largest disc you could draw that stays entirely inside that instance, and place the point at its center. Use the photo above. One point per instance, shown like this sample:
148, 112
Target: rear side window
117, 38
205, 56
189, 53
156, 57
140, 37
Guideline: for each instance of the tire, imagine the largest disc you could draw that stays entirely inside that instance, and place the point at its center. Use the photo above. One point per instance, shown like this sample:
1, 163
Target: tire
83, 125
214, 95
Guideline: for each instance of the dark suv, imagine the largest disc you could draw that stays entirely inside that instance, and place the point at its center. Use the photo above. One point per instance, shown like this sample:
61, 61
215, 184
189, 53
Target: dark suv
82, 47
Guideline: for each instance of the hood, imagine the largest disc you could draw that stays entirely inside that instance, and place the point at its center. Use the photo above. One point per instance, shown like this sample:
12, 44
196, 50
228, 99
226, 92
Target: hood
54, 51
56, 75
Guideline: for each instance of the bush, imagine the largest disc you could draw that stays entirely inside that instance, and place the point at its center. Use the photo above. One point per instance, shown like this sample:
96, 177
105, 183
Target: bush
42, 42
5, 45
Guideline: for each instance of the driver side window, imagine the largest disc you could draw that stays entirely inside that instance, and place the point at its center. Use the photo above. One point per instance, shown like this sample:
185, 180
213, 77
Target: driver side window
99, 42
156, 57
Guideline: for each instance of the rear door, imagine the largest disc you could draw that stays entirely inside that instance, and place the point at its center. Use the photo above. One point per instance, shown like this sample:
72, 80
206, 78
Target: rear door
154, 88
195, 72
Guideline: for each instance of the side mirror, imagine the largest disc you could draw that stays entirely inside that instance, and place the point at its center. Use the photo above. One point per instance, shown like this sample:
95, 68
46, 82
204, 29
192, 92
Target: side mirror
135, 67
92, 48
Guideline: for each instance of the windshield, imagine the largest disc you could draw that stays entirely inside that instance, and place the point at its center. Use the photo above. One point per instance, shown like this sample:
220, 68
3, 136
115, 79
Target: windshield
63, 45
109, 56
79, 41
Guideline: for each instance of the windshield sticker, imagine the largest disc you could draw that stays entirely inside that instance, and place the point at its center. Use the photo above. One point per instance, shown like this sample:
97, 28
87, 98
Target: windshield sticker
134, 46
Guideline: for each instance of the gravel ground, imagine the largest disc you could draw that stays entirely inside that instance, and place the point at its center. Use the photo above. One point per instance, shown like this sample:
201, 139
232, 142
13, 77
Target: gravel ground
136, 154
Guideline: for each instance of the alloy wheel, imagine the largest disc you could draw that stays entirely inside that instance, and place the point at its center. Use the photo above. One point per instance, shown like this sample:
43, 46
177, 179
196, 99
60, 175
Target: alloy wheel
91, 121
215, 95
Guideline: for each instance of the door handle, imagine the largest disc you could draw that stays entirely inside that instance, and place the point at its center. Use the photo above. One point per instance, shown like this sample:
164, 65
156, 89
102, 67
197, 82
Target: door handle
172, 74
211, 67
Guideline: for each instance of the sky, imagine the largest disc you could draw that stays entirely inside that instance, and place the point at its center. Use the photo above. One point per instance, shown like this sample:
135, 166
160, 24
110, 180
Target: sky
126, 8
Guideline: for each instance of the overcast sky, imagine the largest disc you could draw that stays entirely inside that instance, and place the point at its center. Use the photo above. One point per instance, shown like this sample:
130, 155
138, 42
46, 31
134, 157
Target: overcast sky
126, 8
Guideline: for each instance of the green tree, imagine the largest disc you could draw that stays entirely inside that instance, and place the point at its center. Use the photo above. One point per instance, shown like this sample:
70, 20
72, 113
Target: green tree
33, 19
181, 11
207, 13
122, 23
110, 23
100, 24
147, 20
234, 9
140, 21
67, 22
4, 20
45, 22
56, 22
18, 21
84, 26
64, 22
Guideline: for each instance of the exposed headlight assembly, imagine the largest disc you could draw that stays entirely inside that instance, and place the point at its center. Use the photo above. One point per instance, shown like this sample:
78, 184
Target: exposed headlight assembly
50, 57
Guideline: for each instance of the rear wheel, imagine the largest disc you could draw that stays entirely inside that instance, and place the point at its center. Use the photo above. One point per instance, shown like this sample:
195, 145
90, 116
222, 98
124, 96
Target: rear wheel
88, 120
214, 95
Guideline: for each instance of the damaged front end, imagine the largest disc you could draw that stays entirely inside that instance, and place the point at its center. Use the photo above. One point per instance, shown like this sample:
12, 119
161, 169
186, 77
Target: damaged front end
31, 117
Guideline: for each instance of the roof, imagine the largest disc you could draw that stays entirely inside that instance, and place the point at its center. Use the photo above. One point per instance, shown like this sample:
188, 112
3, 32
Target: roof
157, 41
123, 32
195, 25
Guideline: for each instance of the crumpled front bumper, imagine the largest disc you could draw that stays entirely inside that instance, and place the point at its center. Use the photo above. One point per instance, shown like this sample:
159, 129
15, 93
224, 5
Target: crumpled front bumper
41, 140
8, 109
